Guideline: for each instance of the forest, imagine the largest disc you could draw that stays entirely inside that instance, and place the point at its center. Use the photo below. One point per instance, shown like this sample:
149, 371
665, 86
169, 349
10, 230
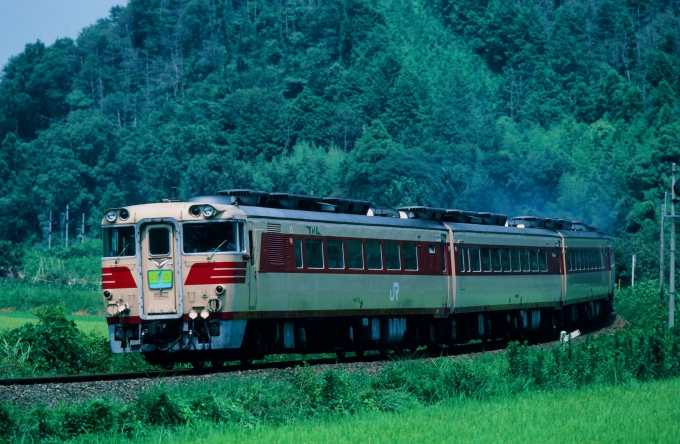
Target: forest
559, 108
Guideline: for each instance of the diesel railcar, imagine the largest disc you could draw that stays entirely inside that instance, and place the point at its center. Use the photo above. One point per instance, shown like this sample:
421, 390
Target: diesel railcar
244, 273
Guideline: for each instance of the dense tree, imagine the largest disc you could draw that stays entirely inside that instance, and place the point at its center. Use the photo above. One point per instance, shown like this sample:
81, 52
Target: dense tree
549, 108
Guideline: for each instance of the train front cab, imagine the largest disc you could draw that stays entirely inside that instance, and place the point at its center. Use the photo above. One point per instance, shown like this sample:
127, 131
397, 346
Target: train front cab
171, 286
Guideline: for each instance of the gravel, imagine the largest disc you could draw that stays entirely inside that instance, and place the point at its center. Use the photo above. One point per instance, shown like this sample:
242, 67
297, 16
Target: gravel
26, 396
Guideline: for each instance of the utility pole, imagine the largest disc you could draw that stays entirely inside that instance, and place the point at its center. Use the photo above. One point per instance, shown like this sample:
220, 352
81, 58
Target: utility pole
82, 231
66, 226
49, 236
662, 240
632, 279
671, 283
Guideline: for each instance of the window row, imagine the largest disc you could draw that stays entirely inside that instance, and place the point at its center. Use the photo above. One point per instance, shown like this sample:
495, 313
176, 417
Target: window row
585, 260
357, 254
477, 259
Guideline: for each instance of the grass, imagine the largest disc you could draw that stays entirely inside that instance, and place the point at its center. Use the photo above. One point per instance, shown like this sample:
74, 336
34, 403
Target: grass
86, 323
24, 296
638, 412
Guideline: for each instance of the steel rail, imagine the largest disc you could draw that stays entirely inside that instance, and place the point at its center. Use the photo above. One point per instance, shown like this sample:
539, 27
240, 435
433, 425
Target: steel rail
157, 374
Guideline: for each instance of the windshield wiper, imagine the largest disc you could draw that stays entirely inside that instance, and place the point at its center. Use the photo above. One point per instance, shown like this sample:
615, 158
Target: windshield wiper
217, 249
121, 253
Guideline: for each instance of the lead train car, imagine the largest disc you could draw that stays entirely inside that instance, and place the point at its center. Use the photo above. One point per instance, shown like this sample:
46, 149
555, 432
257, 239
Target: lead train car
211, 280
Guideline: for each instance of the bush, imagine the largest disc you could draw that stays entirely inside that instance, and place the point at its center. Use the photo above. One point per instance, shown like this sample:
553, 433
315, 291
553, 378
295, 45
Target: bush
7, 425
158, 408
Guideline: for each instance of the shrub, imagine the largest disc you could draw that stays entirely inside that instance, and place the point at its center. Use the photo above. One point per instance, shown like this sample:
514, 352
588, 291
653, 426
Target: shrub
157, 407
7, 425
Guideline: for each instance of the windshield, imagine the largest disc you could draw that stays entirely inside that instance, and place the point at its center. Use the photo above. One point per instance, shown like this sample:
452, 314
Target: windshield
119, 241
213, 236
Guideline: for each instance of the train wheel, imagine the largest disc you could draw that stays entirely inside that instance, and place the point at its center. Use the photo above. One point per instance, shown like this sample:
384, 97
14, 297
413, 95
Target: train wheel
246, 362
198, 364
217, 364
340, 354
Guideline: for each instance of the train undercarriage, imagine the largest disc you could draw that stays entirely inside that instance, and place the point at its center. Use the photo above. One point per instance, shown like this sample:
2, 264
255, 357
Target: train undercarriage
168, 342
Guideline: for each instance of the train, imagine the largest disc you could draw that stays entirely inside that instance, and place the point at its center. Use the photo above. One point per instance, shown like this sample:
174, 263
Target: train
241, 274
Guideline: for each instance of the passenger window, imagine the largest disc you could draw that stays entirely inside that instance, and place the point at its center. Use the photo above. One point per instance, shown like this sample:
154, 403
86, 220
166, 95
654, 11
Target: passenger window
464, 263
505, 259
534, 260
336, 256
474, 259
599, 256
579, 262
542, 260
569, 260
410, 256
486, 259
314, 253
298, 252
444, 251
374, 255
496, 259
516, 263
525, 260
430, 248
355, 254
392, 259
159, 241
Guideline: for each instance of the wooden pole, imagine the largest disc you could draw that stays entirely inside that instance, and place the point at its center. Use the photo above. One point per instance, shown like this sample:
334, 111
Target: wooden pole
661, 246
671, 283
66, 226
49, 236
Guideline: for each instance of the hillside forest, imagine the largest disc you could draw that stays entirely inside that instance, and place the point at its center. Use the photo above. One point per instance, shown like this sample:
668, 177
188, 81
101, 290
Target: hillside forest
561, 108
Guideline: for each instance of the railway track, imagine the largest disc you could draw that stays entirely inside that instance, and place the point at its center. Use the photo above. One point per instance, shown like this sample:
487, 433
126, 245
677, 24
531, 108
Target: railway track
157, 374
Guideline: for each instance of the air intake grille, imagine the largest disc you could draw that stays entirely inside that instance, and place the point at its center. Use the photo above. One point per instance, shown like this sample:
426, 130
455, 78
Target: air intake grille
275, 244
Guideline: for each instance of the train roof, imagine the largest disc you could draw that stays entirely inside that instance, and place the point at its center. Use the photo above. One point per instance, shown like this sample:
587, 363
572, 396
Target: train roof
356, 219
229, 208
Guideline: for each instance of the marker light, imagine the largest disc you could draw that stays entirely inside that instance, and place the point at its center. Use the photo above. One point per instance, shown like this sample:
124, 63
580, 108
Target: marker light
193, 314
219, 289
107, 294
195, 211
208, 211
111, 215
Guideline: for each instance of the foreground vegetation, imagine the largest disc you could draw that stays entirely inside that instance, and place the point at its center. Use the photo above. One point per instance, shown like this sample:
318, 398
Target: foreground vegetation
634, 413
644, 351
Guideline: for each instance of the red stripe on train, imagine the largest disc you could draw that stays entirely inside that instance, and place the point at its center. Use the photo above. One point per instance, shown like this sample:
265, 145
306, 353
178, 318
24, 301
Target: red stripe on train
216, 273
117, 277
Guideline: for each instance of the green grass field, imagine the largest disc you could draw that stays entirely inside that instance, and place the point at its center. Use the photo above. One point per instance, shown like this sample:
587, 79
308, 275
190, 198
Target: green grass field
639, 412
89, 323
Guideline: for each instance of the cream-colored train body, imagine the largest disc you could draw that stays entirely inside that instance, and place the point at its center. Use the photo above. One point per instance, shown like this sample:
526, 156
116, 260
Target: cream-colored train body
213, 279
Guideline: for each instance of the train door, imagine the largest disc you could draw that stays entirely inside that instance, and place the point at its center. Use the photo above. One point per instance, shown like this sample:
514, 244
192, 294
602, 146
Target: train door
253, 264
160, 270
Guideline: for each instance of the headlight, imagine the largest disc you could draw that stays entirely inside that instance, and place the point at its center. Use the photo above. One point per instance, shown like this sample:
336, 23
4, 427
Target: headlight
107, 294
195, 211
124, 214
193, 314
205, 314
111, 215
208, 211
